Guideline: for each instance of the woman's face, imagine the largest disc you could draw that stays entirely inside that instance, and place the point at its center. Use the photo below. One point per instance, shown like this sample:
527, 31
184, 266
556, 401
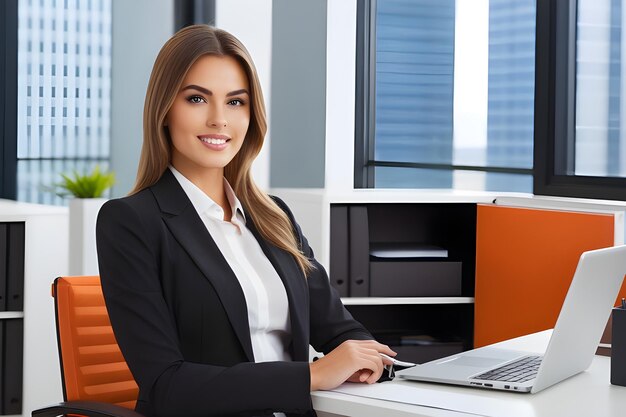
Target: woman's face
210, 116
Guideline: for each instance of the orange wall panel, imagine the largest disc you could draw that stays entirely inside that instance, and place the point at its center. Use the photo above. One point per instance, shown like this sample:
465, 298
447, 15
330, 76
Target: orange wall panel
525, 261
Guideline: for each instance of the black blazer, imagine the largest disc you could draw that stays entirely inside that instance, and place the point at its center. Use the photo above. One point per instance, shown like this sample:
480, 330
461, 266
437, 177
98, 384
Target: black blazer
180, 318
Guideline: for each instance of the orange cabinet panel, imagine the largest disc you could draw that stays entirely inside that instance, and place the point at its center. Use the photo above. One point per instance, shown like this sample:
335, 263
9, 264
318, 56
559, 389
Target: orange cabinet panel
525, 260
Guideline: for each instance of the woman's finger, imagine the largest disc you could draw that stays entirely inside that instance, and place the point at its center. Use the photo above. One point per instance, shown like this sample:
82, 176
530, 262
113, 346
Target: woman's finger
372, 344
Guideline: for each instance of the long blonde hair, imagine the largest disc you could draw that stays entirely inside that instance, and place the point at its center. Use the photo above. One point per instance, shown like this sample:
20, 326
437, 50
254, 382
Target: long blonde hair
178, 54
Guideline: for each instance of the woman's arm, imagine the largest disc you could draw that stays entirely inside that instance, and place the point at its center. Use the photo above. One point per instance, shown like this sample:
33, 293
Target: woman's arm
130, 259
351, 353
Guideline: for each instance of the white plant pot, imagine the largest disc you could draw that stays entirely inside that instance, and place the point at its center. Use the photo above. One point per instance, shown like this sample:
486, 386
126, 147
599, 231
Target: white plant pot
83, 259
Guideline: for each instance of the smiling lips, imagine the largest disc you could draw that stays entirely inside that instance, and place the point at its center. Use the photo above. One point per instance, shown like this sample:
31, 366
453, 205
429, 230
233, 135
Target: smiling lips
215, 142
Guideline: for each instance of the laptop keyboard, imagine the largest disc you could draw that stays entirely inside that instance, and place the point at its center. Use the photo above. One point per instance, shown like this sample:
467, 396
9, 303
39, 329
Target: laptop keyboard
521, 370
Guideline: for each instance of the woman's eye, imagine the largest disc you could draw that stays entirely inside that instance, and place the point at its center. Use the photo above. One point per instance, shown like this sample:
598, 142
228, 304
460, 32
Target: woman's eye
195, 99
236, 102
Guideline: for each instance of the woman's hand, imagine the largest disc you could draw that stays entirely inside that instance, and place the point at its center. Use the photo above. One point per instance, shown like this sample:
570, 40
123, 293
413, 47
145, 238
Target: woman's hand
353, 360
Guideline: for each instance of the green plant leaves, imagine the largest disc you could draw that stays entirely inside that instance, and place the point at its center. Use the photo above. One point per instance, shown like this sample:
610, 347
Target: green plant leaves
91, 185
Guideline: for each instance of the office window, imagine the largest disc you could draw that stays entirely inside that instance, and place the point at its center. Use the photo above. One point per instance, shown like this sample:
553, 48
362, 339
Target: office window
579, 140
551, 84
600, 141
448, 100
42, 152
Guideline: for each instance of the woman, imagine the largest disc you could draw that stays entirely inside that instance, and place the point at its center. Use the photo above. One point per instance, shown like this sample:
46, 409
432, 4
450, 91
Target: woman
213, 293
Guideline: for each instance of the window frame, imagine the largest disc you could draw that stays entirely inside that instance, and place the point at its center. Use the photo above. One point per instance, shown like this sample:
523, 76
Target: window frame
365, 99
8, 99
190, 12
554, 108
365, 110
186, 12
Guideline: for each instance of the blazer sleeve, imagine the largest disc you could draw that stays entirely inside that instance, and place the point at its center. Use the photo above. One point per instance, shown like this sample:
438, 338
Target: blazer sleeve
129, 260
330, 322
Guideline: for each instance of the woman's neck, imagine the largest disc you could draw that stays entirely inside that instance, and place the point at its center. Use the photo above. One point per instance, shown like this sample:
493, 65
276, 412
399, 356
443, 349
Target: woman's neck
211, 182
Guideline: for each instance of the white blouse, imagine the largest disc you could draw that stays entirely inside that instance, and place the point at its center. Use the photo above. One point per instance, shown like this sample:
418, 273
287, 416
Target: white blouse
266, 298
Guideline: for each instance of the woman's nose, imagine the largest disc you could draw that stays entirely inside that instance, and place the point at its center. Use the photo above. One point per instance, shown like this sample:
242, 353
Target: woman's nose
218, 123
216, 119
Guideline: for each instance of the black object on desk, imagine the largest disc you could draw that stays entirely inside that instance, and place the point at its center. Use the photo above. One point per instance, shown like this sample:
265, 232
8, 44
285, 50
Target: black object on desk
618, 346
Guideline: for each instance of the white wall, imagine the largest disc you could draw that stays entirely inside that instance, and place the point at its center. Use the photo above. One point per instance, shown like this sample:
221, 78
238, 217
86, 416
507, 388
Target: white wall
140, 28
298, 93
251, 22
340, 90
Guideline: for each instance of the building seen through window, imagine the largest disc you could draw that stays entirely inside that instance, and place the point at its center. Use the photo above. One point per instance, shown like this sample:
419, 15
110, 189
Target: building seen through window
455, 89
64, 89
454, 95
600, 140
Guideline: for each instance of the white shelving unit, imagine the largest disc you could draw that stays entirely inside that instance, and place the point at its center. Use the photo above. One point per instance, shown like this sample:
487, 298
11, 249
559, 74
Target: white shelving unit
377, 301
312, 209
5, 315
45, 257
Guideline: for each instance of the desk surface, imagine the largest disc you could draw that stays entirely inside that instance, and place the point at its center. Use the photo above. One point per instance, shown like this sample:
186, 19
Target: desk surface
586, 394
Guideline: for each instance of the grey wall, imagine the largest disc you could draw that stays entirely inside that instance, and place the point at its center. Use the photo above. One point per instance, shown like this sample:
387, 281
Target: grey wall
298, 92
140, 28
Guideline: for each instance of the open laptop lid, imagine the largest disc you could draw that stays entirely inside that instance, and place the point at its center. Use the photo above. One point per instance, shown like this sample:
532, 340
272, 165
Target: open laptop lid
583, 316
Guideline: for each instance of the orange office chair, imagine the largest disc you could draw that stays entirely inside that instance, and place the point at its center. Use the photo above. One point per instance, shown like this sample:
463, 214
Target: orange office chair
96, 379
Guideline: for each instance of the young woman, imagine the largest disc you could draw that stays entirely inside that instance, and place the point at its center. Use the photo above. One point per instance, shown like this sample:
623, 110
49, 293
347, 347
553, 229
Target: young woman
213, 292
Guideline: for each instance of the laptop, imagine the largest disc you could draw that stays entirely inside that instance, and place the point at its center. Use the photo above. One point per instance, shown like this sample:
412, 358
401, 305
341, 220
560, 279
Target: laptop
573, 343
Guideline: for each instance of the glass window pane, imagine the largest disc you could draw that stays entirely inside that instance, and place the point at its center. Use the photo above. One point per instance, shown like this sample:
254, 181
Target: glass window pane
600, 142
58, 127
511, 93
392, 177
454, 86
414, 80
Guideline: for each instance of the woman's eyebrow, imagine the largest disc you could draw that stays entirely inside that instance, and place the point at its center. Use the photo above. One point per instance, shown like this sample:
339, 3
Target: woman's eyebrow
210, 93
197, 87
237, 92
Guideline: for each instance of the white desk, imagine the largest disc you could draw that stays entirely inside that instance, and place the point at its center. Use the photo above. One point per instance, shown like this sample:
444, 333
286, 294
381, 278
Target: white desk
586, 394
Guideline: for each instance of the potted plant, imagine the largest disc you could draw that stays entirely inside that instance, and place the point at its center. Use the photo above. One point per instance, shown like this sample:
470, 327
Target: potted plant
84, 186
87, 191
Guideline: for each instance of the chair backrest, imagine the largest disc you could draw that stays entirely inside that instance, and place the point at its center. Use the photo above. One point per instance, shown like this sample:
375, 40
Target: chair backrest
92, 365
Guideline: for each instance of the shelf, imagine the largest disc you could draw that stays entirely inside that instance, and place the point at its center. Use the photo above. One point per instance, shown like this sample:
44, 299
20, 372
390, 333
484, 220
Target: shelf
11, 315
405, 300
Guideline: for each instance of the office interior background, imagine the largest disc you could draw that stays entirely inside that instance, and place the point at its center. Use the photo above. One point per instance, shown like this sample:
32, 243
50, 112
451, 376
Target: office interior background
367, 93
474, 96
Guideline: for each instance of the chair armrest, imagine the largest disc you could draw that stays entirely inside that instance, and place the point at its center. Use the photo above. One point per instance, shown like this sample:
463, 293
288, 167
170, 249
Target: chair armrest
85, 408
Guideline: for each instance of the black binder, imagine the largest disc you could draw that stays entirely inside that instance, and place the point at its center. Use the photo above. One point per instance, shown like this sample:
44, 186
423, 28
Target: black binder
4, 243
15, 276
339, 248
2, 367
359, 252
618, 347
13, 346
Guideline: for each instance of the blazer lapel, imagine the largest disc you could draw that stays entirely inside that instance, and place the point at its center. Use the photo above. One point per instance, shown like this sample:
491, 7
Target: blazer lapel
297, 292
185, 224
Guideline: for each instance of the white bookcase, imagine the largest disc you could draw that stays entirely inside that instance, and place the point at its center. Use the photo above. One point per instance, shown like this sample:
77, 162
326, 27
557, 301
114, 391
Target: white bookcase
438, 217
46, 241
